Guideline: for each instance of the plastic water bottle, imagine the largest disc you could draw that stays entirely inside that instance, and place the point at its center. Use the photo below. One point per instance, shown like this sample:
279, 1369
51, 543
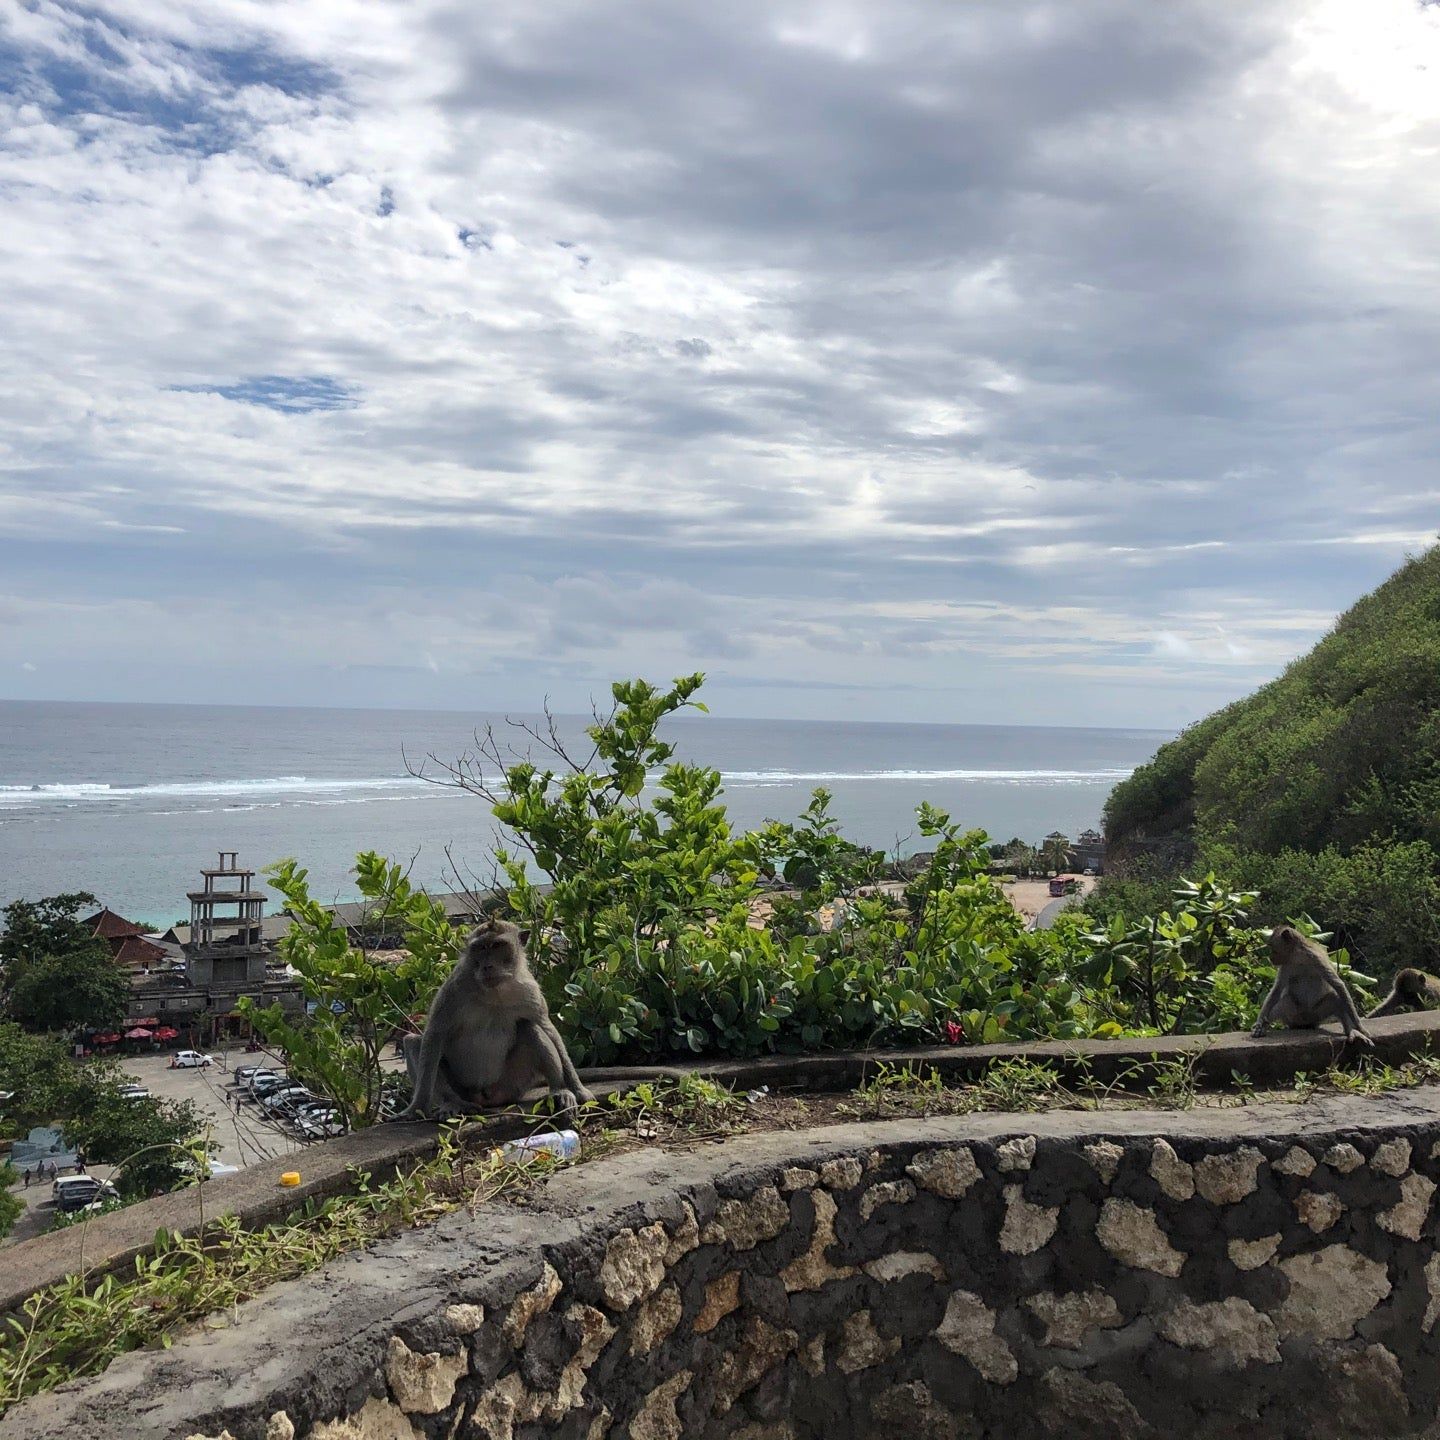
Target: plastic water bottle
563, 1144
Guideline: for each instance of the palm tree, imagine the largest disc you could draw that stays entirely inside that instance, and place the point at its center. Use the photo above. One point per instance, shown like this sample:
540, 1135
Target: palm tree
1056, 850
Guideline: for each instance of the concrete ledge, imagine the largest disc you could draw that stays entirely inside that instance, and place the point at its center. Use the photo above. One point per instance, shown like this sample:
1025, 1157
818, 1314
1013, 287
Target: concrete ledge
110, 1242
1278, 1057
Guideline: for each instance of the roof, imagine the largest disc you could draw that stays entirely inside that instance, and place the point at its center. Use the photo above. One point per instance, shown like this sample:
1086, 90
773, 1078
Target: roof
110, 926
271, 927
138, 951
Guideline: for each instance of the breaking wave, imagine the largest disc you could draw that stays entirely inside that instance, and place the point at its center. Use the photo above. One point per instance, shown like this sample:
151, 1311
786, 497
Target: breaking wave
297, 786
279, 790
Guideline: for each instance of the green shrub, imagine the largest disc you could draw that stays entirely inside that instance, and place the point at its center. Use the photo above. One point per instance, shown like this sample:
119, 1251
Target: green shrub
11, 1206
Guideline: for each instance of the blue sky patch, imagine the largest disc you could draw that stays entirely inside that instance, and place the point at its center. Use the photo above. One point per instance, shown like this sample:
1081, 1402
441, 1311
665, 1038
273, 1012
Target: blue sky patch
290, 394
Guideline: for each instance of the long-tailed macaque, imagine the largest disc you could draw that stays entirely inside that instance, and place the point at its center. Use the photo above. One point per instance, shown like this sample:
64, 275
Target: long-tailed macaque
1412, 990
488, 1039
1308, 989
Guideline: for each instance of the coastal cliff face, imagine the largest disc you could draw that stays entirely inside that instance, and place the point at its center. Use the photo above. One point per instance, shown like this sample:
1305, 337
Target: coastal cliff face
1338, 751
1227, 1272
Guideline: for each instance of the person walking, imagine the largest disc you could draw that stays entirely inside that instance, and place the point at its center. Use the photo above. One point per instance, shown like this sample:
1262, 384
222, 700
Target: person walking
27, 1177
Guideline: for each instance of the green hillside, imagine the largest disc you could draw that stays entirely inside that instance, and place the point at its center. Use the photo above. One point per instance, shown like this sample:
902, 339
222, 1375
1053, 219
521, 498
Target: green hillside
1322, 788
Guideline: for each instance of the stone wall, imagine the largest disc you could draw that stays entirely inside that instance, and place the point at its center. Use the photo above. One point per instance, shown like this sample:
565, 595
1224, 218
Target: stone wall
1214, 1274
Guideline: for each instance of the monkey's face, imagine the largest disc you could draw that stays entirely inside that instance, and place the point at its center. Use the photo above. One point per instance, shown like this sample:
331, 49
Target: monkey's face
1282, 942
493, 955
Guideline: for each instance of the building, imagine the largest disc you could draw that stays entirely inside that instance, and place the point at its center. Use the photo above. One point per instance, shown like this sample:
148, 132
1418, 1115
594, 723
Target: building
1088, 851
129, 944
227, 950
226, 953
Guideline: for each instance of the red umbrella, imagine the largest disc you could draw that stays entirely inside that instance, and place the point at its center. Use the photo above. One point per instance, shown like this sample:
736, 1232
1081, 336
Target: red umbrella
107, 1039
138, 1033
166, 1032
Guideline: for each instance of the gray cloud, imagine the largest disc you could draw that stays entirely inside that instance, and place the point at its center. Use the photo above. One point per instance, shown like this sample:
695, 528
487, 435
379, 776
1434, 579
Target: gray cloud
949, 354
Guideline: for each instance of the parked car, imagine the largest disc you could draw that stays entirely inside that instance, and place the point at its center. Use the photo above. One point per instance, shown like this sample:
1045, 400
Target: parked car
264, 1081
312, 1110
190, 1060
76, 1192
210, 1170
242, 1073
321, 1124
285, 1099
134, 1092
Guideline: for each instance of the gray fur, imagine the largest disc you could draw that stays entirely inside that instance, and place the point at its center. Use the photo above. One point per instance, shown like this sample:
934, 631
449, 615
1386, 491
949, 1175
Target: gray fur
1308, 989
488, 1038
1412, 990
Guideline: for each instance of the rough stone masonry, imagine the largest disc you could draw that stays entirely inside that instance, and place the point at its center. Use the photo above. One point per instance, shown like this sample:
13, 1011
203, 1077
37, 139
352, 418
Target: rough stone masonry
1269, 1270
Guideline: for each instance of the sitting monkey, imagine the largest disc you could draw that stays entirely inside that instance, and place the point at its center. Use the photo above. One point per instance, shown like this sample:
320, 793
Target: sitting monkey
488, 1038
1308, 989
1412, 990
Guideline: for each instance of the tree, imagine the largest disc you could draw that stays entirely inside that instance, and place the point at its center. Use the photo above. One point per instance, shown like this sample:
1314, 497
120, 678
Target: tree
1019, 856
45, 1084
1055, 849
10, 1205
621, 868
148, 1139
54, 974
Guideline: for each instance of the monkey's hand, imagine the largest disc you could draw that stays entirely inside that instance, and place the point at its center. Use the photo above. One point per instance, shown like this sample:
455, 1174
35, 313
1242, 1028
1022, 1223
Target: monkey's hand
1361, 1038
1257, 1032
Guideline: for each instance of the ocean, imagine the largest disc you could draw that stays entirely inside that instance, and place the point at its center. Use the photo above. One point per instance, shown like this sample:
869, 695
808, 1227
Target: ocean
130, 801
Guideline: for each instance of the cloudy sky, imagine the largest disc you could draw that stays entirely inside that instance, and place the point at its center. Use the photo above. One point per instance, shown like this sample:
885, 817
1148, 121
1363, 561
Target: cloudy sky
1049, 362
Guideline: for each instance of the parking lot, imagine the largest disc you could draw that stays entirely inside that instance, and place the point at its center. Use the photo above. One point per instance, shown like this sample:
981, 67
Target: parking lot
243, 1136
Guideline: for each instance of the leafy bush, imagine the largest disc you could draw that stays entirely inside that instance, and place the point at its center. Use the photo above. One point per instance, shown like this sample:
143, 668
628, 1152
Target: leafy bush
1198, 967
11, 1206
1382, 899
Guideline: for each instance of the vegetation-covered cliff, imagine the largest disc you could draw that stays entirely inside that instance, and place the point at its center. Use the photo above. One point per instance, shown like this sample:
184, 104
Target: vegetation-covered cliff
1323, 788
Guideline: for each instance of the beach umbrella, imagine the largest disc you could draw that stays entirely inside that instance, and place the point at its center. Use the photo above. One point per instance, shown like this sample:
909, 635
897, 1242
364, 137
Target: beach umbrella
138, 1033
109, 1038
166, 1032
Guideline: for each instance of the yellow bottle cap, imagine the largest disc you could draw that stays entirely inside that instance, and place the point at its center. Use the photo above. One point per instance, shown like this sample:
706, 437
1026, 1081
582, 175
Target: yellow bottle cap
290, 1177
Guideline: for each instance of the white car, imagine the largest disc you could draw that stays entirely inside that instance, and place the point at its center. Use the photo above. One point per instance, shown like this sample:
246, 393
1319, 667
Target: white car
210, 1170
321, 1125
134, 1092
79, 1192
189, 1060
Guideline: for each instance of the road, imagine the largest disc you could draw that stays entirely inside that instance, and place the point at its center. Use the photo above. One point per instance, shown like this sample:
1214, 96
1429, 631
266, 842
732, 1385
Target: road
1051, 912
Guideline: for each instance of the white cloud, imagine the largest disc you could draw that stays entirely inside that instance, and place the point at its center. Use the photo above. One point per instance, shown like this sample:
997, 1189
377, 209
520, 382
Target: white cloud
958, 347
